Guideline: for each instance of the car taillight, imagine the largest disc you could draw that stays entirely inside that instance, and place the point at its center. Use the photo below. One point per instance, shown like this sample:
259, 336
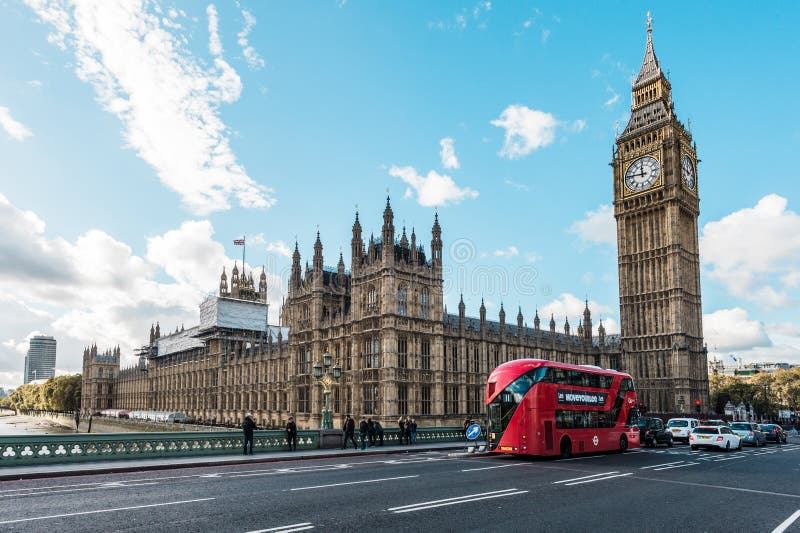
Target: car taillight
647, 432
774, 430
691, 437
751, 432
719, 439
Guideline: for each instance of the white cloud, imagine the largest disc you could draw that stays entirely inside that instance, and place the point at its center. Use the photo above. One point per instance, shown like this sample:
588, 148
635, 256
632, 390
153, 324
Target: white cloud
732, 330
518, 186
755, 252
571, 307
597, 227
545, 35
280, 248
254, 60
432, 190
511, 251
526, 130
95, 289
36, 84
578, 125
611, 101
144, 73
16, 130
214, 44
448, 153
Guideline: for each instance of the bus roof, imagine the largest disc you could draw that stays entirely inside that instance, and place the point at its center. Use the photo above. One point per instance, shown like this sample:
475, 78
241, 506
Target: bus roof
520, 366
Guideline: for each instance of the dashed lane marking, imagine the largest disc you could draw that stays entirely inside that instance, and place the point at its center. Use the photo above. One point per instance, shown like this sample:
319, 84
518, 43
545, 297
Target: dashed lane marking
786, 523
662, 464
674, 466
597, 479
584, 477
286, 529
455, 501
352, 483
131, 508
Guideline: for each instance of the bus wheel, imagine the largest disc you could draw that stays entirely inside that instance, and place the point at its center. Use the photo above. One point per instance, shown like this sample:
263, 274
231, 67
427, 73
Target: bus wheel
566, 448
623, 444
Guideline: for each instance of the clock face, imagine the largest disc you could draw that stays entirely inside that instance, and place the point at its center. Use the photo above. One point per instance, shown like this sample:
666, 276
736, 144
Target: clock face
642, 173
687, 171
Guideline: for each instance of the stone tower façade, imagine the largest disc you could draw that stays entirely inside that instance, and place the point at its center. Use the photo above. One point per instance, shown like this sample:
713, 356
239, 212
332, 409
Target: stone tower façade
656, 205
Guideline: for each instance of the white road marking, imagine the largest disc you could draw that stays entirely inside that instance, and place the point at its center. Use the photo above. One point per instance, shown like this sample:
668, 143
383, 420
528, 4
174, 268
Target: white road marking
662, 464
286, 529
579, 458
675, 466
786, 523
584, 477
597, 479
454, 501
353, 483
44, 490
490, 467
133, 507
737, 489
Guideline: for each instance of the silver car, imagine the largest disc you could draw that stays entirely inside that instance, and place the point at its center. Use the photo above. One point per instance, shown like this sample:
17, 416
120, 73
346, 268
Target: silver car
750, 433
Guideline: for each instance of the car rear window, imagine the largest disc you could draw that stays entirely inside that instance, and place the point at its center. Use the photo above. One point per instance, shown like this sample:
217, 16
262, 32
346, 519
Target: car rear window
706, 431
741, 426
678, 423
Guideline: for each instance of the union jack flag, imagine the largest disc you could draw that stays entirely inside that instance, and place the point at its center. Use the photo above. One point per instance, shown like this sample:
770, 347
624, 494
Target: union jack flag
238, 242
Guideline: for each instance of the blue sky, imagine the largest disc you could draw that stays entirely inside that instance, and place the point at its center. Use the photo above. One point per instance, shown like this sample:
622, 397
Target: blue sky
136, 144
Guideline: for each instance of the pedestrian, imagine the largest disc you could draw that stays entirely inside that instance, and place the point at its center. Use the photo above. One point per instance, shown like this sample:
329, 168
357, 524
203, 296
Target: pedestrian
77, 420
379, 432
401, 423
412, 431
247, 427
363, 429
466, 426
291, 434
349, 432
371, 432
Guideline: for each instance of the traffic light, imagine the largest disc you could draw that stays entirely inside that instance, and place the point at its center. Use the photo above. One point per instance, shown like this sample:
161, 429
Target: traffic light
697, 405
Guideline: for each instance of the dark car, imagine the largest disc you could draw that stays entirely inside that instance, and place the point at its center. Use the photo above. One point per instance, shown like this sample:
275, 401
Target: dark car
713, 422
773, 432
652, 432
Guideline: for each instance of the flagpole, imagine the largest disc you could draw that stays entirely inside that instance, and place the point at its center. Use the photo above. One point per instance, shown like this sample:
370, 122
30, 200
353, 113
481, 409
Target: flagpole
244, 249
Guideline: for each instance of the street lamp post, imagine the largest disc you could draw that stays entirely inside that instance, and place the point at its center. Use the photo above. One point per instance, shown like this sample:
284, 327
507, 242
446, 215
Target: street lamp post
327, 379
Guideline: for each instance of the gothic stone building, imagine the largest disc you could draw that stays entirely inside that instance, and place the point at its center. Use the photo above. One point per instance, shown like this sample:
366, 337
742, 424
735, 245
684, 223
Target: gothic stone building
384, 323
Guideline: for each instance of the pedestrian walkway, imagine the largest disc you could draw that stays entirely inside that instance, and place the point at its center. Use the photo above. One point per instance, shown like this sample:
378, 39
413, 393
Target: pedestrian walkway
165, 463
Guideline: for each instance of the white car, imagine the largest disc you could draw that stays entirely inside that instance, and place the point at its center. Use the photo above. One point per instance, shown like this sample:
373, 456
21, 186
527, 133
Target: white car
715, 437
681, 428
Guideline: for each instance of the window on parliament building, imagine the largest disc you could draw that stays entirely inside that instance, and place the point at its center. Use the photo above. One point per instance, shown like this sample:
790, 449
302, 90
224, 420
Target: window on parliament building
402, 352
425, 400
426, 354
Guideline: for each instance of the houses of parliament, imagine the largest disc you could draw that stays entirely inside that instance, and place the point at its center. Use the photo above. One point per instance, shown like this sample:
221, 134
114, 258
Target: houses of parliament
383, 320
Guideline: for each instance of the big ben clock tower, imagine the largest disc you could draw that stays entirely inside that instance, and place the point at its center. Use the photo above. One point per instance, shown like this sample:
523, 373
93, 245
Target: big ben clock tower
656, 205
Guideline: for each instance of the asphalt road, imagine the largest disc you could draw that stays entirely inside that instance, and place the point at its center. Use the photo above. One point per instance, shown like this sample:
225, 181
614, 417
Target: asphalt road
643, 490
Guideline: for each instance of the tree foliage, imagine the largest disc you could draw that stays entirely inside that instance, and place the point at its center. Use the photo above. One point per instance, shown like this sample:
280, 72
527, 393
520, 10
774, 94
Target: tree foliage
62, 393
765, 392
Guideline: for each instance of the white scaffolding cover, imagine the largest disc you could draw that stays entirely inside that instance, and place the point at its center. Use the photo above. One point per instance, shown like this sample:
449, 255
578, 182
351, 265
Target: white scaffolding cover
179, 342
233, 314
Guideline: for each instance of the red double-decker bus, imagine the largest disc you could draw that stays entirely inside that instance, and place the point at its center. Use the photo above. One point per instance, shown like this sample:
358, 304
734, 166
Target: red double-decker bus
539, 407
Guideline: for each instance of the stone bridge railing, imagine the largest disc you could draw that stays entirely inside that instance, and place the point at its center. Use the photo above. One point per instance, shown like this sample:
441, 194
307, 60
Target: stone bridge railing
67, 448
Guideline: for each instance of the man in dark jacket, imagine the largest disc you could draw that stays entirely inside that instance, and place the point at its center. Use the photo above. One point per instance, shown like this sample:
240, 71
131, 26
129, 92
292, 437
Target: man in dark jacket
379, 432
349, 432
363, 429
371, 432
291, 434
247, 427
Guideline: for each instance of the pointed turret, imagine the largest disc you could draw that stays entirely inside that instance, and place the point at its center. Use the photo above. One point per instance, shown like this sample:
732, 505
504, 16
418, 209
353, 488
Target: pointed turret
483, 315
158, 330
356, 245
461, 312
536, 321
318, 255
519, 321
262, 285
436, 242
587, 323
601, 333
387, 233
650, 68
580, 328
294, 281
223, 283
404, 240
552, 323
566, 325
152, 334
413, 246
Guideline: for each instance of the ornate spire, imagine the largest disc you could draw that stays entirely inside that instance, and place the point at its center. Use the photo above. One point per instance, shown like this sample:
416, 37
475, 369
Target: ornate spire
536, 321
650, 67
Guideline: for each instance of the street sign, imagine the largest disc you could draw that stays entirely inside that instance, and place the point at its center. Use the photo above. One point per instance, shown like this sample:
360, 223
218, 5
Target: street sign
473, 431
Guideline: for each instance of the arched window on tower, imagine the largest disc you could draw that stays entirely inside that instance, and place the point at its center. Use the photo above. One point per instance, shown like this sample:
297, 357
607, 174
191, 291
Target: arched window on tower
372, 298
402, 300
424, 303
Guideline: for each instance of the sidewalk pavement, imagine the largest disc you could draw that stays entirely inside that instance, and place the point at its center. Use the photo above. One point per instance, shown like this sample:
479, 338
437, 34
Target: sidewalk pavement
166, 463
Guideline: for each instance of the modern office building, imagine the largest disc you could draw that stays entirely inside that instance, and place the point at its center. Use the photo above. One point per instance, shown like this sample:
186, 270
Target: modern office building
40, 363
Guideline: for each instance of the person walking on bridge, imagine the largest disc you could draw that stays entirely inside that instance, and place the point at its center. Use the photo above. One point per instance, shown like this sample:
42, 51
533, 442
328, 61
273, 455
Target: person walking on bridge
247, 427
291, 434
349, 432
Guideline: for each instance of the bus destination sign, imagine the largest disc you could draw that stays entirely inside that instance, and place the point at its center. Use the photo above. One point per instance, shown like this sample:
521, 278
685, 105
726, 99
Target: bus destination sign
579, 397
